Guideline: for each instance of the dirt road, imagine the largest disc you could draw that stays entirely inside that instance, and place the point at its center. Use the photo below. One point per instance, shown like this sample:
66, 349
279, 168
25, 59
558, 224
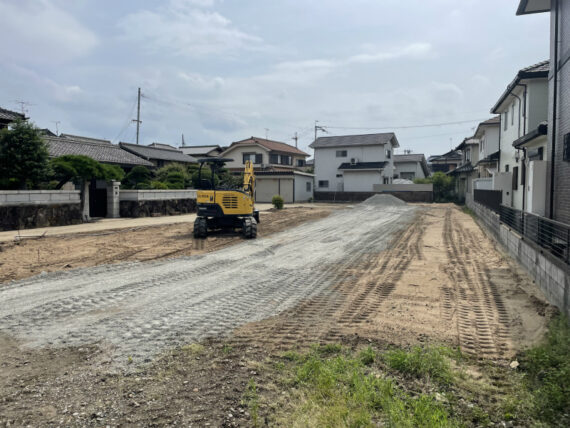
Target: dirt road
373, 272
29, 257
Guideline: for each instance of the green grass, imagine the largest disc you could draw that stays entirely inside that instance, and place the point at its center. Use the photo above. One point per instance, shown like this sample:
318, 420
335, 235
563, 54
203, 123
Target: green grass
251, 400
469, 211
427, 363
547, 369
339, 388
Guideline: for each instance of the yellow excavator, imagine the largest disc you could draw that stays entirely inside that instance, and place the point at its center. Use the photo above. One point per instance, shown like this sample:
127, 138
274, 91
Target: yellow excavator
225, 208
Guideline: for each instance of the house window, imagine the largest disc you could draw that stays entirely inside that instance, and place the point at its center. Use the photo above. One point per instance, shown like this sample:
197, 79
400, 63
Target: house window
308, 186
515, 177
285, 160
408, 175
506, 168
323, 183
300, 162
566, 153
386, 180
256, 158
273, 158
541, 153
341, 153
388, 154
467, 155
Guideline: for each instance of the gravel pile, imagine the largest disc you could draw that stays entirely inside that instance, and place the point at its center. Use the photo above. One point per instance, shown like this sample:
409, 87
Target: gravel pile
383, 201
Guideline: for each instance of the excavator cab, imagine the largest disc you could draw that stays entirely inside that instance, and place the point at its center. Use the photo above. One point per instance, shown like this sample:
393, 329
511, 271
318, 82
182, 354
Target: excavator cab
220, 208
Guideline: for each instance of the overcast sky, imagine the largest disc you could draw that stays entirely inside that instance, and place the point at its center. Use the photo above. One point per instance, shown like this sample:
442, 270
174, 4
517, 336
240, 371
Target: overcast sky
219, 71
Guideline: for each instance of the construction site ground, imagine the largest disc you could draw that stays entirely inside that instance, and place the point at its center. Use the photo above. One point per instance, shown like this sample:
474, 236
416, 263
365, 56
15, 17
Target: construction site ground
176, 332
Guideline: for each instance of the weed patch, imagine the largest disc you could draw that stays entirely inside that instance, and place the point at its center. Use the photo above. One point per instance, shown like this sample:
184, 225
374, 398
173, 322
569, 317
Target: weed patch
430, 362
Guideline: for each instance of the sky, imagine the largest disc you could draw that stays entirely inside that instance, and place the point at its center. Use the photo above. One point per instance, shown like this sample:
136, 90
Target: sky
220, 71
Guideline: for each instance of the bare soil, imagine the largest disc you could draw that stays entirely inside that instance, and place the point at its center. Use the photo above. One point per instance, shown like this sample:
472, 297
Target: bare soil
22, 259
441, 280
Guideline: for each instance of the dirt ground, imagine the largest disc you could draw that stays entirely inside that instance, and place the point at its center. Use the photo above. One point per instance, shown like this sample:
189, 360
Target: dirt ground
22, 259
441, 280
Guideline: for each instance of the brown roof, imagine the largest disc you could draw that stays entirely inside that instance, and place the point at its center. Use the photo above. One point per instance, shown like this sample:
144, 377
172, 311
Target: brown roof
276, 146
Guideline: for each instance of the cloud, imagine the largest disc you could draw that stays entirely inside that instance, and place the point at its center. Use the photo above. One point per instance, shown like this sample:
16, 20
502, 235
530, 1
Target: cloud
40, 32
183, 28
413, 51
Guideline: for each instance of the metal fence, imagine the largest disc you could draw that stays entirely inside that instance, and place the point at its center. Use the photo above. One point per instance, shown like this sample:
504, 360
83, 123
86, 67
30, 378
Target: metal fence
490, 198
548, 234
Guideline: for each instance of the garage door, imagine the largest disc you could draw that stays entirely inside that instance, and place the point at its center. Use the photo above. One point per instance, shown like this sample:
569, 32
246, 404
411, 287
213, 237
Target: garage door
266, 188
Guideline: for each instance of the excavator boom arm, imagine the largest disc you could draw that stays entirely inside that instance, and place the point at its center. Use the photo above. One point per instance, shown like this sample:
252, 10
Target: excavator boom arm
249, 178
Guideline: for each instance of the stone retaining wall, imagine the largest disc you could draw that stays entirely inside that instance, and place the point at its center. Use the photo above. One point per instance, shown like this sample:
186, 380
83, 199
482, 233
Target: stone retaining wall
27, 216
152, 208
551, 274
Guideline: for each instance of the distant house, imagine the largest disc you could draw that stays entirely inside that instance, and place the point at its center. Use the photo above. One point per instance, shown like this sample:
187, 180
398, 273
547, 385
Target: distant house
9, 116
446, 162
99, 150
487, 133
158, 154
410, 166
466, 172
558, 147
523, 106
266, 155
354, 163
201, 151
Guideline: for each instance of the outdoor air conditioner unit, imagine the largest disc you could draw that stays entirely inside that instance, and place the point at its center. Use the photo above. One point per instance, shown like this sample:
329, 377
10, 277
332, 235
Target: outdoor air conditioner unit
353, 161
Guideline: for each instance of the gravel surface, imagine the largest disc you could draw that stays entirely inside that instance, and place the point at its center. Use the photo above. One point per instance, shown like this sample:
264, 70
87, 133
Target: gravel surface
141, 309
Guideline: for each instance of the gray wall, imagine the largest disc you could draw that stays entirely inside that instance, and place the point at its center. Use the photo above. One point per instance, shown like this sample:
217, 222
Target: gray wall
550, 274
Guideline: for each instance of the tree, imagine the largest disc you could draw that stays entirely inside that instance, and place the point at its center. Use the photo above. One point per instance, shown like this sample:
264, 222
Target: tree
443, 186
138, 178
174, 175
23, 156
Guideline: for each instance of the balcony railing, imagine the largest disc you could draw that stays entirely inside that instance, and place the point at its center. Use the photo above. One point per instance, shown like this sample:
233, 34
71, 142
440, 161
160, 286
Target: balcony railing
548, 234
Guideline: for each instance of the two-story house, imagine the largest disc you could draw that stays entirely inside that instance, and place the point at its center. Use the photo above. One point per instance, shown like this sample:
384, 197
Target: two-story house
487, 133
466, 172
266, 155
354, 163
558, 146
445, 162
522, 107
410, 166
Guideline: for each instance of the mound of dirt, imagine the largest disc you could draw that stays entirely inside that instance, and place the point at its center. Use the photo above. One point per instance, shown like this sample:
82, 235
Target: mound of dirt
384, 200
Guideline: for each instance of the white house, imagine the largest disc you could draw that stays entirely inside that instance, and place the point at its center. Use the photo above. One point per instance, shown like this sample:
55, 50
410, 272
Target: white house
410, 166
354, 163
488, 133
265, 155
523, 107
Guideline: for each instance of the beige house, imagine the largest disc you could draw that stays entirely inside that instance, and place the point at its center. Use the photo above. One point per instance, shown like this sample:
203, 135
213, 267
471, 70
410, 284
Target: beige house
266, 155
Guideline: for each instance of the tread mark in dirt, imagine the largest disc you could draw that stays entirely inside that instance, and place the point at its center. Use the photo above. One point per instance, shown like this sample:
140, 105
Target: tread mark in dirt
473, 299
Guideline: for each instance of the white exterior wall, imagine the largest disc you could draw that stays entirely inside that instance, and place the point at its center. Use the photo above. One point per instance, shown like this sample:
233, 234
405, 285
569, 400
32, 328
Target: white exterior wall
155, 195
361, 181
301, 192
236, 154
414, 167
326, 164
39, 197
536, 112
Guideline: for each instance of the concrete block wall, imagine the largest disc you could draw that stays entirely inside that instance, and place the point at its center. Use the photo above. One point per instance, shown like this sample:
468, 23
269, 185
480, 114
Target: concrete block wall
414, 196
155, 195
39, 197
551, 274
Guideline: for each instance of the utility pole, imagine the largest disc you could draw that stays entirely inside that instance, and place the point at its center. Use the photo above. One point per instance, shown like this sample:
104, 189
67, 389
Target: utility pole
138, 119
183, 143
266, 133
296, 138
319, 128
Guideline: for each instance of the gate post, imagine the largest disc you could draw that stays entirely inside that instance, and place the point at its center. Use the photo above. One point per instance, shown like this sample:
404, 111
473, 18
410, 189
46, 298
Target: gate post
113, 199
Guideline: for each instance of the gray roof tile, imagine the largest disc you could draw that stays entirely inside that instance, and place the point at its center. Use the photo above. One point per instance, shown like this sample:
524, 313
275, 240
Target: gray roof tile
355, 140
99, 151
9, 115
159, 153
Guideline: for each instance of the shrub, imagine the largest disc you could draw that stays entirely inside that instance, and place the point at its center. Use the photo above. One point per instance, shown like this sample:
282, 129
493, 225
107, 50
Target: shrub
277, 201
137, 175
159, 185
174, 174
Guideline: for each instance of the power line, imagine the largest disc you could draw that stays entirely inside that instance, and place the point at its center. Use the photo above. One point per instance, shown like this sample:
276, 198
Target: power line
128, 122
428, 125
